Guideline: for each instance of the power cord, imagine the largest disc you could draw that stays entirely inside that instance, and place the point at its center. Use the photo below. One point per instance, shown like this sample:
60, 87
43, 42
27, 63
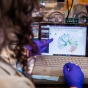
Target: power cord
69, 10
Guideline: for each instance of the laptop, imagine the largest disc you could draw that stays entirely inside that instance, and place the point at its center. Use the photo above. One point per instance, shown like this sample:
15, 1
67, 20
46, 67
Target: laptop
69, 45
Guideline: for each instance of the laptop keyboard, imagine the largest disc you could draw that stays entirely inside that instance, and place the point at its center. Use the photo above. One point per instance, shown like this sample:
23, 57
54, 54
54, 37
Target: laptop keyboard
59, 61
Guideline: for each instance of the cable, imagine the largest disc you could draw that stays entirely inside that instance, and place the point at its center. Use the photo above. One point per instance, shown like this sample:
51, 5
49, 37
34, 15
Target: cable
69, 10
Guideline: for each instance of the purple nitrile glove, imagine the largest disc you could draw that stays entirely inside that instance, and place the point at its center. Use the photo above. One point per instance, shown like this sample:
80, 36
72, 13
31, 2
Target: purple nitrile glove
38, 46
73, 75
28, 47
42, 45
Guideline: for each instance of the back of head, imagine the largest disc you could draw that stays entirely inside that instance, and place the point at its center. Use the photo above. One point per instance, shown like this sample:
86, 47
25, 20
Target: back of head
15, 20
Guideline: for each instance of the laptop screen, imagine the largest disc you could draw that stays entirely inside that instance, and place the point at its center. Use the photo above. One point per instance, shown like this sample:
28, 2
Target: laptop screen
68, 40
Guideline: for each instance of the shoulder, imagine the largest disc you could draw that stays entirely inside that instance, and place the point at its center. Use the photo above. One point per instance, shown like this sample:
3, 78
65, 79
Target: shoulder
10, 78
15, 82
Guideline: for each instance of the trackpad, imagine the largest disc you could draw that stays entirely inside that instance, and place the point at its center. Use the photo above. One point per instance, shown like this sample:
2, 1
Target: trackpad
55, 71
37, 70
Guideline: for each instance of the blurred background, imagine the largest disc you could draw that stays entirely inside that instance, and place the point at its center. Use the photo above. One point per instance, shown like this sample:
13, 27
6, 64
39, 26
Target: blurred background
60, 11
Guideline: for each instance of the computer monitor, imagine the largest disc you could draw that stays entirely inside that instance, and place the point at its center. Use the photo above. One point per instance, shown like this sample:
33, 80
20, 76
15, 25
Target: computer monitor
35, 28
68, 39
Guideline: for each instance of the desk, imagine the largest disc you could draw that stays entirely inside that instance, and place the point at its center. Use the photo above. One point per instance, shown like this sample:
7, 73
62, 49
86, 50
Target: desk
54, 84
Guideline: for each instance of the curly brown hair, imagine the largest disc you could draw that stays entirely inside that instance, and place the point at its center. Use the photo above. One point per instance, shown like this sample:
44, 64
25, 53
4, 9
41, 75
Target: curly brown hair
15, 25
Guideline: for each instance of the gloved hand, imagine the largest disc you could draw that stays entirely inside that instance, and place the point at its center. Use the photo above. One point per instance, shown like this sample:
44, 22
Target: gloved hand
73, 75
38, 47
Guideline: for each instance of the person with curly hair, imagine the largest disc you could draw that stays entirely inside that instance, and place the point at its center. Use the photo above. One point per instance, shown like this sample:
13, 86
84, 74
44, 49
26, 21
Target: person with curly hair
15, 35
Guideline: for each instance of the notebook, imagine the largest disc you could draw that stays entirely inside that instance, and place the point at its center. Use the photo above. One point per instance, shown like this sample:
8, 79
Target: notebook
69, 45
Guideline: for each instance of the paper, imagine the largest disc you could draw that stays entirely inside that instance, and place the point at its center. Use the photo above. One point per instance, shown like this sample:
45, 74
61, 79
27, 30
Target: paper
53, 78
